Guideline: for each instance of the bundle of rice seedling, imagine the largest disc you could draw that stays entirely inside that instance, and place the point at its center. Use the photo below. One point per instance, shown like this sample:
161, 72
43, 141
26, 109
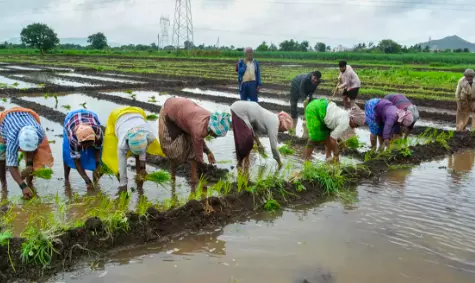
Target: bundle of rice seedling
286, 150
158, 177
152, 117
43, 173
353, 143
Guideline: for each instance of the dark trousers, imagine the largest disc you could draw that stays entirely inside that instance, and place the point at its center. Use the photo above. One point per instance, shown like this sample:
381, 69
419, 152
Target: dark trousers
248, 91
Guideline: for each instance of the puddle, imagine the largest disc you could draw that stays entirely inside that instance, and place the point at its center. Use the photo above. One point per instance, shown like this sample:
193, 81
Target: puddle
416, 225
2, 69
12, 83
23, 68
99, 78
51, 79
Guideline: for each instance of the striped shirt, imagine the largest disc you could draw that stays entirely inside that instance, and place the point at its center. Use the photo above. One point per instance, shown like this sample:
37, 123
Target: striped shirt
86, 118
10, 129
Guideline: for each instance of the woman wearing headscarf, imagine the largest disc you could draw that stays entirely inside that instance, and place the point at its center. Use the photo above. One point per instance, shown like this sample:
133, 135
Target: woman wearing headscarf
384, 121
405, 105
82, 145
20, 130
328, 123
249, 118
183, 127
128, 134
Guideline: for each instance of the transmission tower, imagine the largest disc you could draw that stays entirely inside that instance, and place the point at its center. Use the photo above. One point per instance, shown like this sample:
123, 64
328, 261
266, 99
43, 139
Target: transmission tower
182, 23
163, 38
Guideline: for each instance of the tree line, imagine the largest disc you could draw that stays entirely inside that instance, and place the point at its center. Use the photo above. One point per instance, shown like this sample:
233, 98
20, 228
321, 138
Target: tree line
44, 38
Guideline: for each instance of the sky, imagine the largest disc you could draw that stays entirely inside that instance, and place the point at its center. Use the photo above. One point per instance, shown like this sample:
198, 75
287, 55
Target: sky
248, 22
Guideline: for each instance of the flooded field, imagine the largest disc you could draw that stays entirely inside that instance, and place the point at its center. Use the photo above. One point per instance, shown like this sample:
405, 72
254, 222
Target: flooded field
397, 231
399, 223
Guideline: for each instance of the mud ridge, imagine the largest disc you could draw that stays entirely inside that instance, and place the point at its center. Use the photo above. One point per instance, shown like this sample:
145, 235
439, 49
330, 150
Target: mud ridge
210, 213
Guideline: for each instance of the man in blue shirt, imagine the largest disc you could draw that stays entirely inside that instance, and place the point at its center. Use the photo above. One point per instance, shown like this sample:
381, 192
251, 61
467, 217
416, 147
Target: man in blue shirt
249, 76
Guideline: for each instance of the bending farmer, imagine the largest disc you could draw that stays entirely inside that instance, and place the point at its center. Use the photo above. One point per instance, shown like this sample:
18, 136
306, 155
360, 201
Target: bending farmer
404, 104
183, 127
302, 88
465, 96
127, 133
249, 118
384, 121
20, 130
327, 123
82, 145
349, 84
249, 76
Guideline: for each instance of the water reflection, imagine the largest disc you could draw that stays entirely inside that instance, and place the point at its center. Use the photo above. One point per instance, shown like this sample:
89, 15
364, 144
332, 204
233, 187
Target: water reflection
461, 165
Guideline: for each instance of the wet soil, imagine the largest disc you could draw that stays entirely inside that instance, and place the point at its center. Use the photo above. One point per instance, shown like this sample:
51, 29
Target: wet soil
208, 213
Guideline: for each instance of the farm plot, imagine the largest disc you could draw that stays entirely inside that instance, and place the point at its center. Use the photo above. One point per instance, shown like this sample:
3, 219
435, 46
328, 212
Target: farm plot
59, 227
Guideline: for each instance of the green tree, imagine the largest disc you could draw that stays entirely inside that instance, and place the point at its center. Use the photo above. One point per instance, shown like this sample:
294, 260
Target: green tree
39, 36
272, 47
288, 45
389, 46
320, 47
188, 45
303, 46
263, 47
97, 41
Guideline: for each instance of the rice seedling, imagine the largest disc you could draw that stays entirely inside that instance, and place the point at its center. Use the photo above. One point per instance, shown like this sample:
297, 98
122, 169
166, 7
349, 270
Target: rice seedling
43, 173
15, 84
52, 141
46, 96
3, 98
261, 150
271, 205
5, 238
286, 150
112, 214
353, 143
152, 99
142, 205
152, 117
209, 138
128, 91
242, 182
55, 101
39, 234
329, 176
41, 85
158, 177
106, 170
84, 105
67, 107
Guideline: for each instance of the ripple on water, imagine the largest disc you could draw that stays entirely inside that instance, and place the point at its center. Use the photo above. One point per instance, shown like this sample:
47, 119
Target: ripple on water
429, 209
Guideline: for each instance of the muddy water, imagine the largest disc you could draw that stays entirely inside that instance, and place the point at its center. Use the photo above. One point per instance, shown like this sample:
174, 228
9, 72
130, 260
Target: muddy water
23, 68
99, 78
16, 83
414, 225
49, 78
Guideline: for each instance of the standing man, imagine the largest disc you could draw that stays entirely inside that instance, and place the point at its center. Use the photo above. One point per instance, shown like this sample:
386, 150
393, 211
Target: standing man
349, 84
249, 76
465, 96
302, 88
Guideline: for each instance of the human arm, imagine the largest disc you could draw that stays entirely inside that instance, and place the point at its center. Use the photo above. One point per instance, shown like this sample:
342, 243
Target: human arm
331, 145
342, 81
309, 147
208, 153
198, 147
273, 145
241, 67
122, 154
389, 123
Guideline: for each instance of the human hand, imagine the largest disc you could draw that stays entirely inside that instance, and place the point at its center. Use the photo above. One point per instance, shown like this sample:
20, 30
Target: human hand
27, 193
211, 159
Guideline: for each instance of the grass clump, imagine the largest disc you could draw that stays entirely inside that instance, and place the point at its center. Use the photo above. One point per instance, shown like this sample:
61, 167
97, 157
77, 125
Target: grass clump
43, 173
271, 205
67, 107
